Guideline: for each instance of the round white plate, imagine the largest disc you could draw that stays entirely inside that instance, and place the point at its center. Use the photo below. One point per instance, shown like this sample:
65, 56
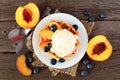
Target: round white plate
83, 38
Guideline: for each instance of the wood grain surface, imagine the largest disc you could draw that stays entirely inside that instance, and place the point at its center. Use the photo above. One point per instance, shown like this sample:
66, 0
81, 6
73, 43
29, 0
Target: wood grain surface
108, 70
74, 7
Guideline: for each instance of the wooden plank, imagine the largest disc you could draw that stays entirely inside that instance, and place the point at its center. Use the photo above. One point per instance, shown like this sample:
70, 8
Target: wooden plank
75, 7
108, 70
80, 4
5, 44
108, 28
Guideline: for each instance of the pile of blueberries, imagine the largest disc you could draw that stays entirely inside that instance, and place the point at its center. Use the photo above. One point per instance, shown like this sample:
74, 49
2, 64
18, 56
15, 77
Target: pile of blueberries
102, 16
88, 65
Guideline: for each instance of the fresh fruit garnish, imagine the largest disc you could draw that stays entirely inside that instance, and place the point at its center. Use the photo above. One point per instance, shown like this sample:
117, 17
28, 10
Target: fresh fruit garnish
56, 25
102, 15
89, 66
46, 34
44, 43
30, 59
36, 70
53, 61
86, 13
86, 61
84, 73
91, 19
61, 60
27, 16
53, 27
47, 48
22, 66
75, 27
99, 48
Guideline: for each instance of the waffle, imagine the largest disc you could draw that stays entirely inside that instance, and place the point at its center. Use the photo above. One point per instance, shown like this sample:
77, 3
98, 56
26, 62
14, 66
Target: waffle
69, 27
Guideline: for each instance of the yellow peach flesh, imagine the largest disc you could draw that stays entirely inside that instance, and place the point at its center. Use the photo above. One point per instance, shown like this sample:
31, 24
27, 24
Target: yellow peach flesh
104, 55
27, 16
22, 67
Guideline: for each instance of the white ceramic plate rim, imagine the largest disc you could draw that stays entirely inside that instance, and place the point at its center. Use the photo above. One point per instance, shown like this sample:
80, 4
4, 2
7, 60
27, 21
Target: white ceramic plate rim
83, 38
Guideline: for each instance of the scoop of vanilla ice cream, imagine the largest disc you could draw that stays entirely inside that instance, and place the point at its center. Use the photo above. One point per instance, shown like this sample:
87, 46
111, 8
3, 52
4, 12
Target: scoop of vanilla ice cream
63, 42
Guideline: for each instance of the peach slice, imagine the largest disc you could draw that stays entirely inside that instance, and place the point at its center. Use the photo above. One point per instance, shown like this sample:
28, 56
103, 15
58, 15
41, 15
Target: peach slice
27, 16
99, 48
46, 34
44, 43
22, 66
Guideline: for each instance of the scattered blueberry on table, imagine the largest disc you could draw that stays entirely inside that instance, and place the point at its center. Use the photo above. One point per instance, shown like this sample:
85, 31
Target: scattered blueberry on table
36, 70
86, 61
53, 27
84, 73
89, 66
102, 15
53, 61
86, 13
75, 27
91, 19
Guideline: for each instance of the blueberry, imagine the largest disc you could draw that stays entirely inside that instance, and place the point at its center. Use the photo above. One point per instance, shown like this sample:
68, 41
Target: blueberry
102, 15
61, 60
84, 73
36, 70
91, 19
86, 13
89, 66
53, 27
53, 61
30, 59
85, 61
47, 48
75, 27
49, 45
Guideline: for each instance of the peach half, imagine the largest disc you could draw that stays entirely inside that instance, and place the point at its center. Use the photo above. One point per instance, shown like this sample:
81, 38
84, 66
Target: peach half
27, 16
22, 66
99, 48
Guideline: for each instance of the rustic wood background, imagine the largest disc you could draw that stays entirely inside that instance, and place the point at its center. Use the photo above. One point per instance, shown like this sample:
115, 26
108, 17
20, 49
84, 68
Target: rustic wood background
108, 70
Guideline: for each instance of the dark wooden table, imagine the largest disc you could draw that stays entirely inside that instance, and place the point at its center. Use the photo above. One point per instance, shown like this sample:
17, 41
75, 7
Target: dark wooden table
108, 70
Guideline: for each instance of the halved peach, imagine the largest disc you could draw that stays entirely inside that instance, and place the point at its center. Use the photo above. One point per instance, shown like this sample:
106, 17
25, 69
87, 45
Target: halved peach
99, 48
46, 34
27, 16
22, 66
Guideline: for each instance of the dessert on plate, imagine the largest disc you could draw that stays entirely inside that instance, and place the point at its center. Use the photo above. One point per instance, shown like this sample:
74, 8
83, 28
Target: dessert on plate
59, 39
